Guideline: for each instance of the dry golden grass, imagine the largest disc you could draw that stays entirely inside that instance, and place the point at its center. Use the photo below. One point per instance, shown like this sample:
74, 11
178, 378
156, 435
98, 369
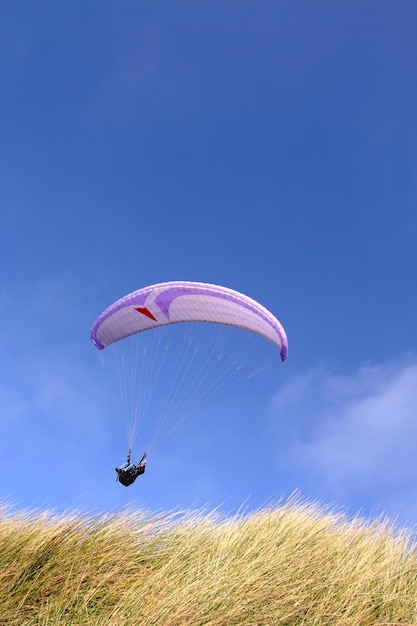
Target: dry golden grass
292, 564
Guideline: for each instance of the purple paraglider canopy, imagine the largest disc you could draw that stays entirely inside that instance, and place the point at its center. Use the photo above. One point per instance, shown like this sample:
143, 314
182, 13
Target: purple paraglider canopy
183, 301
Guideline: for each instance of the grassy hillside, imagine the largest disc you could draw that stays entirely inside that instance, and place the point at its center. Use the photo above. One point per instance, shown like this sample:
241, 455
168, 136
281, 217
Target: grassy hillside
292, 565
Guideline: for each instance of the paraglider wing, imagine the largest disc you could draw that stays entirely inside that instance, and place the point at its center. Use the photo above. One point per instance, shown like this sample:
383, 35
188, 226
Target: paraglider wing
171, 302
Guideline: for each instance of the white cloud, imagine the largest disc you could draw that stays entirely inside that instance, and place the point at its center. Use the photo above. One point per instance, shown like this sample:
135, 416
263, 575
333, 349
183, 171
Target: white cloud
54, 413
354, 437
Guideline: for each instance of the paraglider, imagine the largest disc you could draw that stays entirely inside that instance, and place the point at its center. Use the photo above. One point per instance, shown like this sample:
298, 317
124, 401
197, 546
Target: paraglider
182, 301
128, 472
167, 303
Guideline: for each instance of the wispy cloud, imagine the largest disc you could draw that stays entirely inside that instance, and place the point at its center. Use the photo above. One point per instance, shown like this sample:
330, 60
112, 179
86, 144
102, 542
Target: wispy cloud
54, 413
353, 437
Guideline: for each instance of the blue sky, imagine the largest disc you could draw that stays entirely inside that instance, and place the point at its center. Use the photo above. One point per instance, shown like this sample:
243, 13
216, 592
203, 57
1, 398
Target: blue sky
270, 147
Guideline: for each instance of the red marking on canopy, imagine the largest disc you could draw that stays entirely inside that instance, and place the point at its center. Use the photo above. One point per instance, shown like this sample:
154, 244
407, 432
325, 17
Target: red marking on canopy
145, 311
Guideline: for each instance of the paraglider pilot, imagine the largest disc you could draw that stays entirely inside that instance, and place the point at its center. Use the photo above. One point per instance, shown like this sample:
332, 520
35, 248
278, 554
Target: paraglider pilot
128, 472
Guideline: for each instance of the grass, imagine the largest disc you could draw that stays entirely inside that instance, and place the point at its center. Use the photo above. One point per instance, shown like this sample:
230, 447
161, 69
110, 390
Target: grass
294, 564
